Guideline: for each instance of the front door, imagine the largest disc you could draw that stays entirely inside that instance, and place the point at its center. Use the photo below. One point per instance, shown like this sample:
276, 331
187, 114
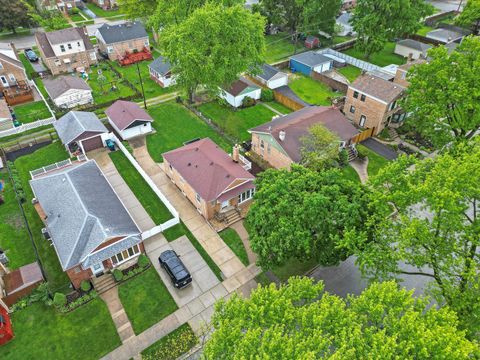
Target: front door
97, 269
4, 81
225, 204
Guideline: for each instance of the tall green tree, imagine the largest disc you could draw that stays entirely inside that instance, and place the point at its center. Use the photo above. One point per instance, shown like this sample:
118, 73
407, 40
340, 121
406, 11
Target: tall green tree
379, 21
138, 9
320, 148
303, 214
302, 321
213, 46
443, 99
470, 16
14, 14
428, 217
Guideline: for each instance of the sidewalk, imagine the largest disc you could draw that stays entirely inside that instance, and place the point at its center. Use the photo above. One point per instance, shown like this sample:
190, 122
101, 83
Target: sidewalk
119, 316
242, 232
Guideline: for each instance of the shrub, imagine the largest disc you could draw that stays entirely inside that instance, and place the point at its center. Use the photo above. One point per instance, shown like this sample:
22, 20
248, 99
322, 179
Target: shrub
267, 95
118, 275
143, 261
59, 300
248, 102
362, 153
343, 157
85, 285
74, 11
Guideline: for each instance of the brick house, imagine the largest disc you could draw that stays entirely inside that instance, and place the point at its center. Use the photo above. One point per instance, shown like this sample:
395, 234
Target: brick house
13, 79
279, 141
106, 4
372, 102
216, 184
117, 40
88, 225
67, 50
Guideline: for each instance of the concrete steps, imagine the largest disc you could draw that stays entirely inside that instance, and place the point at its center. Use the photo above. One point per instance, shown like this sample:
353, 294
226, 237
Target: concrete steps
104, 283
352, 154
393, 133
232, 217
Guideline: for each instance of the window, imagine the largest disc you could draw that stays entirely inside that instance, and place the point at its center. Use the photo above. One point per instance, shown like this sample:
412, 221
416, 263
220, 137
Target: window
403, 76
125, 255
130, 44
352, 109
198, 198
78, 44
110, 49
268, 148
363, 119
147, 44
62, 48
77, 269
1, 65
392, 106
363, 97
247, 195
355, 94
12, 78
69, 46
262, 144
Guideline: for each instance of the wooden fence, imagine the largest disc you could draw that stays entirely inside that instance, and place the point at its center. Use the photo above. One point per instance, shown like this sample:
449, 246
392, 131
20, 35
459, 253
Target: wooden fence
330, 82
288, 102
363, 135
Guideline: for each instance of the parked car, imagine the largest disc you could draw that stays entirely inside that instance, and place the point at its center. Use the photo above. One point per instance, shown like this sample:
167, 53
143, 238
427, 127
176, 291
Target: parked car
31, 56
174, 267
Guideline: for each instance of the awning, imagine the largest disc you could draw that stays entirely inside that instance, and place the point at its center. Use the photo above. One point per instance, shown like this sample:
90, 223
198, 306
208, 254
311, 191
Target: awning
66, 61
236, 191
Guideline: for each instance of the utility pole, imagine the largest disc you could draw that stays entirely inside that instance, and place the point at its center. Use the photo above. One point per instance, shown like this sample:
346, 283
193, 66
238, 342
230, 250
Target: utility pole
141, 84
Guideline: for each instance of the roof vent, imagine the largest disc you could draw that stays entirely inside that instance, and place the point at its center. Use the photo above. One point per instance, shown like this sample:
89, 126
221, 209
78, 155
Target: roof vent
189, 164
281, 135
228, 176
211, 163
196, 149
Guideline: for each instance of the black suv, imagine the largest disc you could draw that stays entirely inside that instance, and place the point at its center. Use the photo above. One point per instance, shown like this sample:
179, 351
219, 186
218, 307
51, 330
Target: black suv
175, 269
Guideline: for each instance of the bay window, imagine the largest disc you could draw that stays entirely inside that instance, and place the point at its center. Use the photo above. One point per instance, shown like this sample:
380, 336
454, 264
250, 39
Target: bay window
125, 255
247, 195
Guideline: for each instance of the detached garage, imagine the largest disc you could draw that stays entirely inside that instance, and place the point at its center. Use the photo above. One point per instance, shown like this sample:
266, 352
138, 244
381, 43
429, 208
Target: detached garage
128, 119
310, 61
272, 77
80, 132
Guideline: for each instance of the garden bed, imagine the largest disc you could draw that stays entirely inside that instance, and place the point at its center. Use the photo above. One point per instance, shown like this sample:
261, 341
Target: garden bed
171, 346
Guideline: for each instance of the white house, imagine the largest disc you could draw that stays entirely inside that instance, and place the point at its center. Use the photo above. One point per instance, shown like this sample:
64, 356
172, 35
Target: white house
272, 77
343, 23
129, 119
238, 91
68, 91
160, 72
413, 48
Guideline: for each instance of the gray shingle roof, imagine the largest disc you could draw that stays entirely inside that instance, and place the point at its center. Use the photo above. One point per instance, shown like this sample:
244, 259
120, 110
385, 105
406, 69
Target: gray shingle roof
58, 86
311, 58
63, 36
75, 123
71, 34
268, 72
122, 32
444, 35
161, 65
82, 212
414, 44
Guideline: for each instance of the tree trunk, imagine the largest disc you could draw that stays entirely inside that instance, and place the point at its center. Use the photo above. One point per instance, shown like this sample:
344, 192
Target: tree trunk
13, 29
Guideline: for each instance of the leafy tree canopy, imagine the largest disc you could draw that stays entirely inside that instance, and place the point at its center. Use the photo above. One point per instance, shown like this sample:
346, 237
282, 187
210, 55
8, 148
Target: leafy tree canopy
470, 16
14, 13
379, 21
138, 9
435, 229
443, 98
301, 321
320, 148
213, 46
303, 214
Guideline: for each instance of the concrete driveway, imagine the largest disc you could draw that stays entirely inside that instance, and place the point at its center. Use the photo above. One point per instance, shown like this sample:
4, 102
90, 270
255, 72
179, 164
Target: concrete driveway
203, 278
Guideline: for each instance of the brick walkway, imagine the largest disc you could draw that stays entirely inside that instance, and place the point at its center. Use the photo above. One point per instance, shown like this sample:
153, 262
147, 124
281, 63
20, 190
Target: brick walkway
119, 316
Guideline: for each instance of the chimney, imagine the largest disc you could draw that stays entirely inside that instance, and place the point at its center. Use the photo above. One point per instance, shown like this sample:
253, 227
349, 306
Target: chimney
236, 153
410, 57
281, 135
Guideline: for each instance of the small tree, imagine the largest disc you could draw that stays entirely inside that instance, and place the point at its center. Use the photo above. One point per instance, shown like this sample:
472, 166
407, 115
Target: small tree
320, 148
470, 16
59, 300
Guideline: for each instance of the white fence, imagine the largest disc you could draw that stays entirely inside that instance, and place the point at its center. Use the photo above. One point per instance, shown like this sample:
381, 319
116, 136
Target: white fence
167, 224
25, 127
366, 66
45, 169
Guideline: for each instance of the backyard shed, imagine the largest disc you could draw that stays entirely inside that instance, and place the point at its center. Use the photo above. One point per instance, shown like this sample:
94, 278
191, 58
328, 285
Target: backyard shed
413, 48
239, 90
68, 91
160, 72
272, 77
312, 42
129, 119
310, 61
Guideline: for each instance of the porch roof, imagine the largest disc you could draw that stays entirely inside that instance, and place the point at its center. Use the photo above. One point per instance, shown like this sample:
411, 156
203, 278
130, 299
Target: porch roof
236, 191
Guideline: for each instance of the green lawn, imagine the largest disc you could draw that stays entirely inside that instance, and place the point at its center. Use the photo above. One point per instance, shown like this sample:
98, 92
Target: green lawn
279, 47
179, 230
424, 30
26, 64
350, 72
237, 122
151, 88
103, 13
14, 238
77, 17
232, 239
172, 345
312, 91
375, 161
42, 157
143, 192
279, 107
175, 124
146, 300
41, 87
103, 91
293, 267
350, 173
31, 112
42, 333
383, 58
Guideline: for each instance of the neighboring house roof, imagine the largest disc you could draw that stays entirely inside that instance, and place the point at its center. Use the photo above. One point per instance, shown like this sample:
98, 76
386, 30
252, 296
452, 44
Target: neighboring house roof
311, 58
7, 53
414, 44
75, 123
344, 19
297, 124
311, 38
71, 34
444, 35
5, 113
269, 72
377, 87
112, 34
23, 277
60, 85
206, 168
240, 87
82, 211
161, 65
408, 65
124, 113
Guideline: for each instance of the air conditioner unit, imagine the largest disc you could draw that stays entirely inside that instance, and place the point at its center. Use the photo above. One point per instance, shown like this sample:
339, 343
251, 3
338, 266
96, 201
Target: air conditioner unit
34, 201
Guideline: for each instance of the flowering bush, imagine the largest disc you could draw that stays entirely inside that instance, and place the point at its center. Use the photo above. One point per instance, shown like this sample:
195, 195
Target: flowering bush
173, 345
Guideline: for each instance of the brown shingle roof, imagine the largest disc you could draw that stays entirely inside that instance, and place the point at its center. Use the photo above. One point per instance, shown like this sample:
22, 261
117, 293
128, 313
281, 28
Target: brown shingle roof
124, 113
379, 88
237, 87
297, 124
206, 168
